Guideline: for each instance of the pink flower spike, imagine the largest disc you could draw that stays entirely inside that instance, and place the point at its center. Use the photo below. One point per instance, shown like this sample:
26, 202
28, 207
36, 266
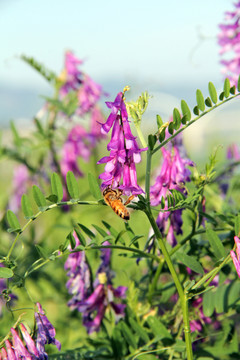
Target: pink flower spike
236, 256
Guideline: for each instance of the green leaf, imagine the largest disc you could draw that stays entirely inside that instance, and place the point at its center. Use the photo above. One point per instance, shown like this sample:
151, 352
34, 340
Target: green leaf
135, 238
94, 187
216, 244
39, 126
191, 262
72, 185
72, 240
226, 88
38, 196
111, 229
208, 303
200, 100
80, 237
102, 232
208, 102
159, 121
52, 198
158, 329
56, 186
42, 252
5, 273
139, 330
162, 135
185, 110
212, 92
221, 96
220, 299
87, 231
47, 74
233, 90
238, 84
13, 221
152, 141
162, 202
237, 225
196, 110
26, 206
128, 335
16, 138
170, 128
176, 119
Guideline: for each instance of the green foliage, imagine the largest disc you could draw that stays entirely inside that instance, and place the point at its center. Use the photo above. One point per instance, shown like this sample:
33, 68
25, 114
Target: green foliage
94, 187
39, 197
41, 69
26, 206
212, 92
200, 100
216, 244
186, 112
5, 273
72, 185
56, 186
13, 222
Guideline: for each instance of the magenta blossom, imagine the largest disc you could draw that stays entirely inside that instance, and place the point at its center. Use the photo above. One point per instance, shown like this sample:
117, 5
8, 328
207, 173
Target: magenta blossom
73, 79
45, 331
173, 175
76, 146
236, 257
120, 169
93, 303
229, 40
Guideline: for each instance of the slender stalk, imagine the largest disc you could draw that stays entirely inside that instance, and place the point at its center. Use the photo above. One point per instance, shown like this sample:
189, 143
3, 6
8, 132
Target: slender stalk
182, 295
140, 134
192, 122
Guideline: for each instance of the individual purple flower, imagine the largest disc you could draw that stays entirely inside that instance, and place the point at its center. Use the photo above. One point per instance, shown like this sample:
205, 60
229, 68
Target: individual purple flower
124, 151
173, 175
79, 275
9, 297
21, 180
233, 152
88, 95
20, 350
96, 119
45, 331
71, 75
229, 40
30, 343
236, 257
76, 146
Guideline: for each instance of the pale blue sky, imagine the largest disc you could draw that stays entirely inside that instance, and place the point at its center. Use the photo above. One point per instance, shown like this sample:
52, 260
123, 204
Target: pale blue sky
143, 41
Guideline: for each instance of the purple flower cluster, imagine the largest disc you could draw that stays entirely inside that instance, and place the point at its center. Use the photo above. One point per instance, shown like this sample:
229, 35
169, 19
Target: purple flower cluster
33, 350
173, 175
88, 92
93, 301
80, 143
124, 151
229, 40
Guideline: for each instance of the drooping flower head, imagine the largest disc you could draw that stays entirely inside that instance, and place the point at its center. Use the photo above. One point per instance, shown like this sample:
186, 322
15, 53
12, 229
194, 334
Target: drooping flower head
120, 169
32, 349
93, 301
229, 40
74, 80
173, 174
236, 257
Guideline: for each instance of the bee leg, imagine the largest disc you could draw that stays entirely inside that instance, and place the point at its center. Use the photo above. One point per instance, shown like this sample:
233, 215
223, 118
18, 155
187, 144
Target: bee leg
129, 199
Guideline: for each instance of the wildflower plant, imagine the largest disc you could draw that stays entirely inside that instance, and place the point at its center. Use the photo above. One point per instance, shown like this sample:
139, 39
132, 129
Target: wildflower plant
62, 247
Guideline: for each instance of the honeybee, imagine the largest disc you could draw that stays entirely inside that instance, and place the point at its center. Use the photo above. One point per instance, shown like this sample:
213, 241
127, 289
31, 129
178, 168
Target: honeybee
113, 199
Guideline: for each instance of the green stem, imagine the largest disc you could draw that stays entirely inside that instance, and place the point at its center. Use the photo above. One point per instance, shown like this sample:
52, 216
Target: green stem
192, 122
182, 295
140, 134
